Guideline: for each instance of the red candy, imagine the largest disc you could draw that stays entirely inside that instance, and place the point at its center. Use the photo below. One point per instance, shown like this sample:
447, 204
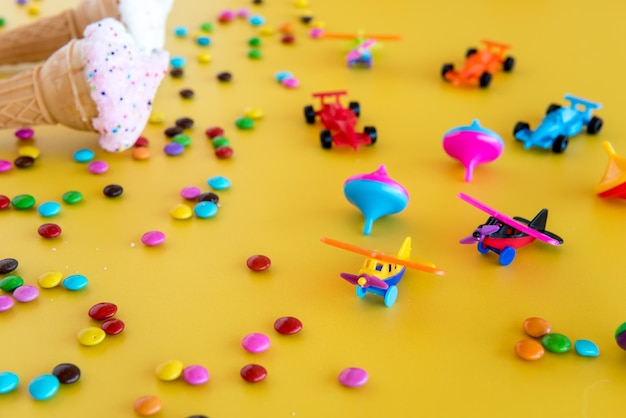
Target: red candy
253, 373
141, 142
214, 132
5, 202
49, 230
113, 326
223, 152
101, 311
258, 262
287, 325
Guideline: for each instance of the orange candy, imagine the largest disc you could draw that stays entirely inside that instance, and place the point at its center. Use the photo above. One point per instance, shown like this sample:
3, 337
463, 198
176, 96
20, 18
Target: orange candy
147, 405
141, 153
529, 349
537, 327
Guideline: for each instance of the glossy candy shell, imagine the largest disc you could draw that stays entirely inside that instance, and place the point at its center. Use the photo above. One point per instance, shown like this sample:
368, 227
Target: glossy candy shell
75, 282
253, 373
147, 405
256, 343
44, 387
169, 370
288, 325
102, 311
113, 326
353, 377
8, 382
90, 336
67, 373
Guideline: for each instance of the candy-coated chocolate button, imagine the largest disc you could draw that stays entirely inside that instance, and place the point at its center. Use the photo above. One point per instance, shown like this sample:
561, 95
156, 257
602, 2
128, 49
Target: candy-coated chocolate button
6, 303
181, 211
255, 343
50, 279
7, 265
141, 153
90, 336
48, 209
556, 343
157, 117
253, 373
72, 197
8, 382
28, 151
43, 387
214, 132
245, 122
195, 375
10, 283
113, 326
258, 262
620, 336
219, 183
5, 165
353, 377
147, 405
24, 133
75, 282
49, 230
5, 202
83, 155
67, 373
113, 190
537, 327
26, 293
103, 310
169, 370
287, 325
190, 192
153, 238
529, 349
98, 167
23, 201
586, 348
205, 209
223, 152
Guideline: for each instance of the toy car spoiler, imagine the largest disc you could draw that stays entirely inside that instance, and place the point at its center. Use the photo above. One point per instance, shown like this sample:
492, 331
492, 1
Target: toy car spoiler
589, 105
495, 45
330, 93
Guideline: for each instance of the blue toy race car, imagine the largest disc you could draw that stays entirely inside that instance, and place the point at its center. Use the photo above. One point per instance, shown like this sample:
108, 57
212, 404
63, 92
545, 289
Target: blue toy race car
559, 124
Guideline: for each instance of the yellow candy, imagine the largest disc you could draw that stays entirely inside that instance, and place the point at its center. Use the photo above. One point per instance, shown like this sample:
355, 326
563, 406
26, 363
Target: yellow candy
181, 211
90, 336
301, 4
318, 24
266, 30
205, 58
253, 113
28, 151
170, 370
157, 117
50, 279
33, 10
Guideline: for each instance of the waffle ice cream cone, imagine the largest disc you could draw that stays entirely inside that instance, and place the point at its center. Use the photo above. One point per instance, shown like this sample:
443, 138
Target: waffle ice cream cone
53, 92
37, 41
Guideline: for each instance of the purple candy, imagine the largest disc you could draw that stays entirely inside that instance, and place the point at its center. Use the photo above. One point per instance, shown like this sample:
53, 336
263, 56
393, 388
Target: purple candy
621, 340
98, 167
256, 343
26, 293
190, 192
174, 148
24, 133
353, 377
195, 375
6, 303
5, 166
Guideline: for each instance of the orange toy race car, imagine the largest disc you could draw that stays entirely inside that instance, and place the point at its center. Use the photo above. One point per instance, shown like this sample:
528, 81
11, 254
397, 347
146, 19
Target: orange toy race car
480, 65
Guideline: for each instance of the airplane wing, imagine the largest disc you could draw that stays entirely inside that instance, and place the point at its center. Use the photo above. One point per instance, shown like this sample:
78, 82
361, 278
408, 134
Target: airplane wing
383, 256
509, 221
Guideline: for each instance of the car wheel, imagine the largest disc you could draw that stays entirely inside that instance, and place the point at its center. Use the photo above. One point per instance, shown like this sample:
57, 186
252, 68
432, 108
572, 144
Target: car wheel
355, 107
508, 65
485, 80
507, 255
552, 108
594, 125
371, 132
309, 114
520, 126
560, 144
446, 69
470, 52
326, 138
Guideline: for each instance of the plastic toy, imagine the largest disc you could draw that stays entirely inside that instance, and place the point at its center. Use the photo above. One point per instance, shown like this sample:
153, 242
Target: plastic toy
340, 122
360, 55
503, 235
381, 273
480, 65
376, 195
559, 124
472, 145
613, 182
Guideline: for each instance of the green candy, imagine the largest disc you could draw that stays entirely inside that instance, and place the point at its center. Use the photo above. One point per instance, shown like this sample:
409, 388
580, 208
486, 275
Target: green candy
10, 283
23, 201
2, 22
254, 42
220, 141
206, 27
244, 123
556, 343
72, 197
254, 54
182, 139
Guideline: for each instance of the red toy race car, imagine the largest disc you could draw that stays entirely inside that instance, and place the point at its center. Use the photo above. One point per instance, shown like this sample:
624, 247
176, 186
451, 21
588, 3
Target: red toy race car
340, 122
480, 65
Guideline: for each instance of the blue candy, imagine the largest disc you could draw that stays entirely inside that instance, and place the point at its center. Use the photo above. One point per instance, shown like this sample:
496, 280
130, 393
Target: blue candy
75, 282
256, 20
180, 31
178, 62
281, 75
205, 209
203, 40
44, 387
8, 382
586, 348
83, 155
219, 183
48, 209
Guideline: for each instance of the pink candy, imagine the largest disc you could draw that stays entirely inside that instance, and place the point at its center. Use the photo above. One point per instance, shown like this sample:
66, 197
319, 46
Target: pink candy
290, 82
98, 167
5, 166
152, 238
190, 192
26, 293
195, 375
353, 377
6, 303
256, 343
24, 133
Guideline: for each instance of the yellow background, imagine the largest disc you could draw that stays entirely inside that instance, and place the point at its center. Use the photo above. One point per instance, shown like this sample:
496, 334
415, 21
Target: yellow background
446, 348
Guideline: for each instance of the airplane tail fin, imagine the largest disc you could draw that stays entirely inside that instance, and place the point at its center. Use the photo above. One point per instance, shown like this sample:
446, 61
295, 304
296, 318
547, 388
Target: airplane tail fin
540, 220
404, 253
